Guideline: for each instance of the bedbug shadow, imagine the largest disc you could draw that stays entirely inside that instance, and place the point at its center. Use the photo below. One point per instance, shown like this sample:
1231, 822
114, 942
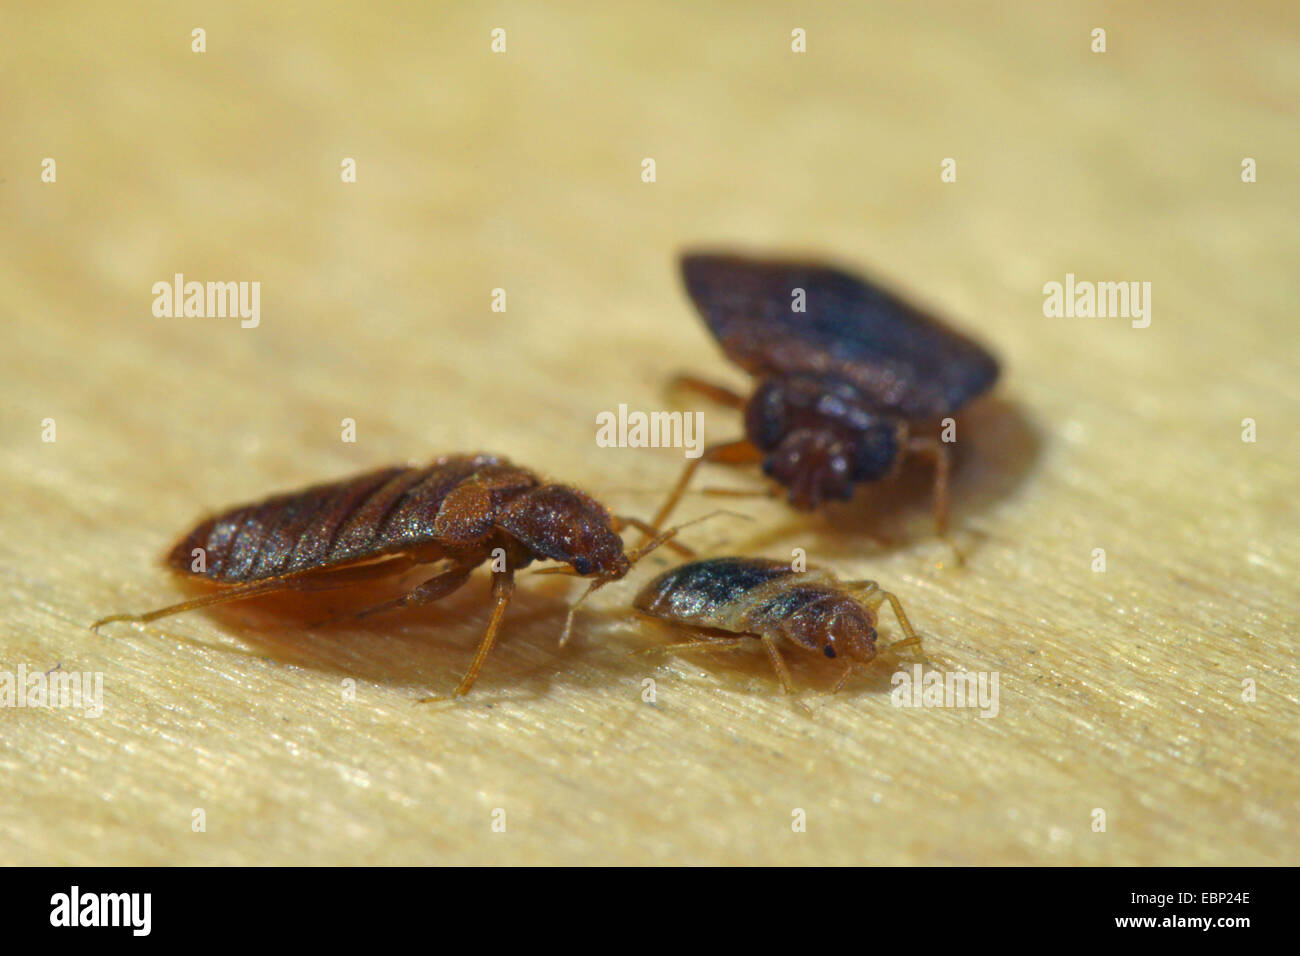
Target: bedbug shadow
998, 448
415, 651
747, 672
998, 451
420, 652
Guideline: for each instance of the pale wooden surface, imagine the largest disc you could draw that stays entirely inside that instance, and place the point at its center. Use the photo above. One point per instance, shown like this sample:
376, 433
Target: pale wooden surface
1120, 690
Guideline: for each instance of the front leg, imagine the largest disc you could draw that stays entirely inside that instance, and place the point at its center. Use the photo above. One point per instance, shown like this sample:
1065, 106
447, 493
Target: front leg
735, 452
872, 595
715, 393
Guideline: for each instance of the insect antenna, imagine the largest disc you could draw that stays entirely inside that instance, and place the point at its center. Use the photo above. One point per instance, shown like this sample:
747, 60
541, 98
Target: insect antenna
844, 678
633, 556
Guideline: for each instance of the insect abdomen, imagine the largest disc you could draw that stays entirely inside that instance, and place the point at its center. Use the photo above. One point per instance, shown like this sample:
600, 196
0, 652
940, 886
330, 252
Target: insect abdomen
709, 593
766, 612
382, 512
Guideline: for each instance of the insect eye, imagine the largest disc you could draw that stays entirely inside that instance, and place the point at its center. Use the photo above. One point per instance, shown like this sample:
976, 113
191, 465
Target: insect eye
582, 565
829, 651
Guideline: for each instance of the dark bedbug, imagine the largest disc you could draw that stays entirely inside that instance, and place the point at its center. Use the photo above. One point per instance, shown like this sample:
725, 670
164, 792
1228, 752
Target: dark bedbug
460, 509
844, 386
770, 601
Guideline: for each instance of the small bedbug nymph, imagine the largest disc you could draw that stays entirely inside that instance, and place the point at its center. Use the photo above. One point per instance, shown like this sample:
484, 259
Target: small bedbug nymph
462, 510
769, 601
848, 376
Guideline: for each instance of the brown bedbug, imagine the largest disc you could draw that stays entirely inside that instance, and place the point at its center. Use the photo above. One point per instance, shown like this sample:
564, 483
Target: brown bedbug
768, 600
844, 385
461, 509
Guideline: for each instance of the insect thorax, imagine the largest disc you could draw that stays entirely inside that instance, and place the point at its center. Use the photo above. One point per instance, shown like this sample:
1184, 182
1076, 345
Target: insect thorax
821, 435
814, 616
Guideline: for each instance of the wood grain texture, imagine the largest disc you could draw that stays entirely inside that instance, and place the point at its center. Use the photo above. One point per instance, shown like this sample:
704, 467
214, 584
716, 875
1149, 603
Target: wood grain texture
1120, 690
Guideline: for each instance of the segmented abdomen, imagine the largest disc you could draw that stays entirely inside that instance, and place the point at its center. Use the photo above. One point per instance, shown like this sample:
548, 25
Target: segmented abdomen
381, 512
709, 593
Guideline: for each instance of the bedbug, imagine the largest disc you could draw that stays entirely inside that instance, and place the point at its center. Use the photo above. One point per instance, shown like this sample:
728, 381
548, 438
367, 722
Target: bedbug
461, 509
847, 374
768, 600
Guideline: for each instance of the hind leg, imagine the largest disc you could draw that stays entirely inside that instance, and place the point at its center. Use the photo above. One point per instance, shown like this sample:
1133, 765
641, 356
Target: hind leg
703, 644
434, 589
340, 578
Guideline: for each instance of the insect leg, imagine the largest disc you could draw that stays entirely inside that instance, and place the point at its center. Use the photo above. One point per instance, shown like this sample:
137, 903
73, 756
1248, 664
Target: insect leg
772, 491
434, 589
844, 678
716, 393
938, 452
644, 547
318, 582
207, 600
873, 596
778, 664
711, 644
732, 452
649, 531
503, 586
